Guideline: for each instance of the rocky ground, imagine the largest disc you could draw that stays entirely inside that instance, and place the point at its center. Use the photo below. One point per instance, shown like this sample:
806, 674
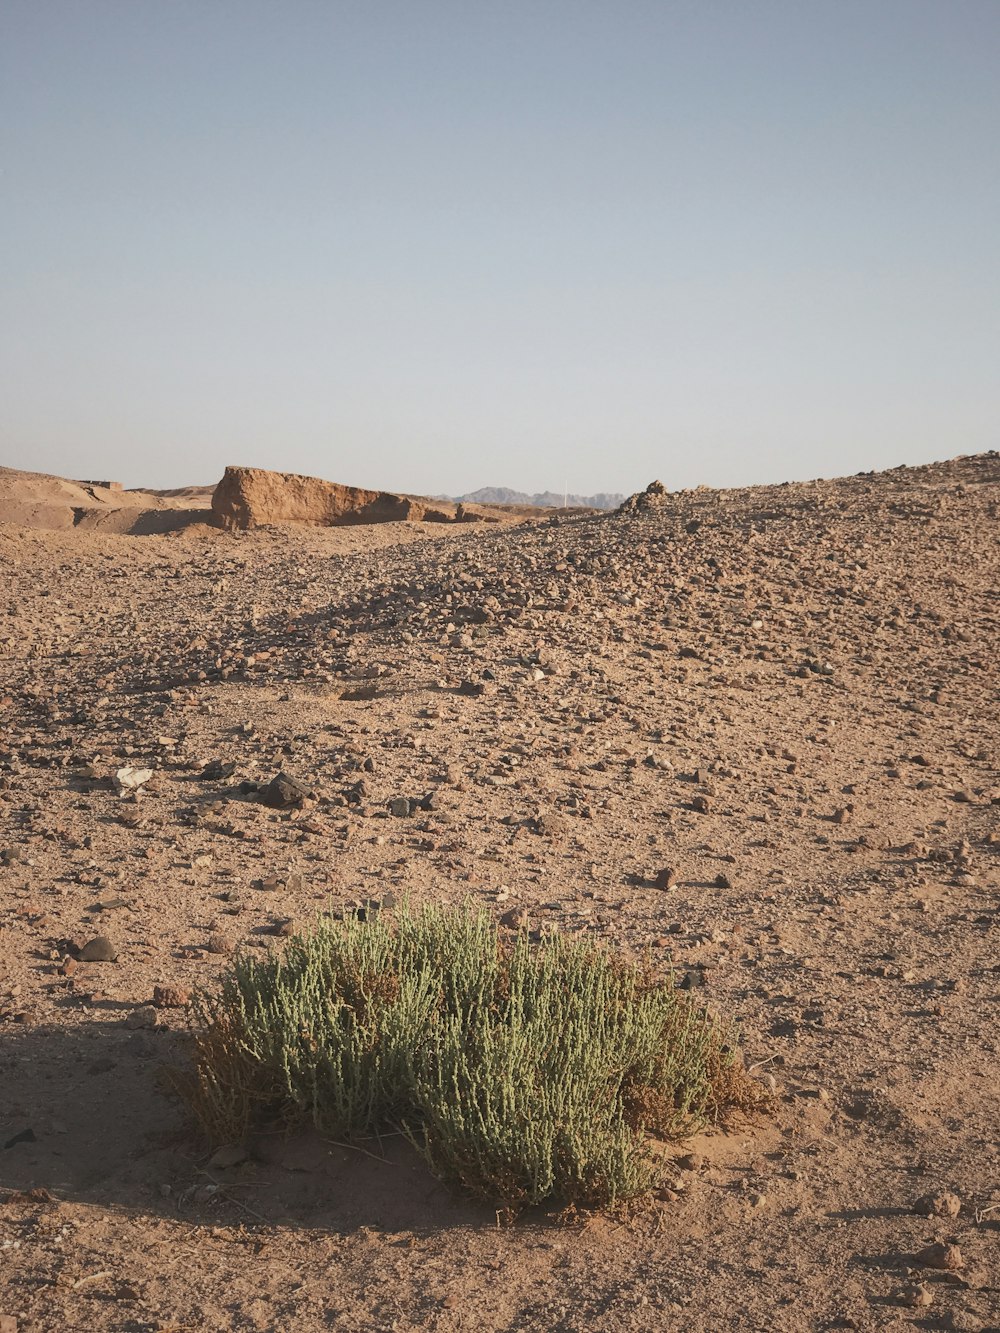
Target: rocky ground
755, 732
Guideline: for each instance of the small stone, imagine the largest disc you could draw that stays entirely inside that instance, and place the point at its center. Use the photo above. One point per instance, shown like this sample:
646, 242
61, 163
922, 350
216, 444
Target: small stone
723, 882
217, 943
841, 815
693, 979
665, 879
287, 927
915, 1296
171, 997
400, 807
130, 779
98, 950
283, 791
8, 1323
692, 1161
701, 804
68, 966
516, 919
941, 1255
143, 1017
938, 1204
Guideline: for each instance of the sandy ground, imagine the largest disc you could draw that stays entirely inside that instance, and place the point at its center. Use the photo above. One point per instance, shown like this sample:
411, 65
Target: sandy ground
786, 695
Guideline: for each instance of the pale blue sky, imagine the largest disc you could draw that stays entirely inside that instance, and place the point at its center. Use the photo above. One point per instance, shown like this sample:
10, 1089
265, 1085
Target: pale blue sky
438, 244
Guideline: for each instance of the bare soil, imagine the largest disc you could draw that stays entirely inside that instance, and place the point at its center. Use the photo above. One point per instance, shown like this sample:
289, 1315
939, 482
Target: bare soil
788, 696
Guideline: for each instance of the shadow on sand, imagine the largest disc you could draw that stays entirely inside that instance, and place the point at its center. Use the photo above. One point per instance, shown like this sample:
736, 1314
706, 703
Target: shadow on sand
87, 1117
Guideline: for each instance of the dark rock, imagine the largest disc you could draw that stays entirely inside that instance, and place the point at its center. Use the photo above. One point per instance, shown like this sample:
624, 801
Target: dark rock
283, 791
98, 950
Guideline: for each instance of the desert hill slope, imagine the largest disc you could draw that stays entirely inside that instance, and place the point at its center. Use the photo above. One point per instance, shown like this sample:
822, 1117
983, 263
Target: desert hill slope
752, 734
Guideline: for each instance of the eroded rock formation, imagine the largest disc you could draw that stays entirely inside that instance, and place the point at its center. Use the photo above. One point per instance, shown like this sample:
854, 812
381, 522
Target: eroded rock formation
248, 497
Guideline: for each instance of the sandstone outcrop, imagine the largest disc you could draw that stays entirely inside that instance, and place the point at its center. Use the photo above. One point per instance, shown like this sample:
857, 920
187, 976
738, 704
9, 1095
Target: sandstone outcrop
249, 497
39, 501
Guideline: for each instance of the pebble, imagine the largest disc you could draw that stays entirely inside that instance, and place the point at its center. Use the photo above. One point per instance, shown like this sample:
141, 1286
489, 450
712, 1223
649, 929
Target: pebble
692, 1161
915, 1296
171, 997
938, 1204
98, 950
131, 779
283, 791
143, 1017
516, 919
941, 1255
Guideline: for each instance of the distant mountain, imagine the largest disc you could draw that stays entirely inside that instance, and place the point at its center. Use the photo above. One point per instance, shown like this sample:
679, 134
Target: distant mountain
503, 495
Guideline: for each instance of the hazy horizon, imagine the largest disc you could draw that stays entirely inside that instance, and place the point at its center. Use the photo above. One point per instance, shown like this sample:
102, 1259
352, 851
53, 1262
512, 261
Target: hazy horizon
544, 246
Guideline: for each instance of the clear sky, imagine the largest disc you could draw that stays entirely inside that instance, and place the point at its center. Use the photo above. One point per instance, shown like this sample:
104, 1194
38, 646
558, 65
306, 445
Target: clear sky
438, 244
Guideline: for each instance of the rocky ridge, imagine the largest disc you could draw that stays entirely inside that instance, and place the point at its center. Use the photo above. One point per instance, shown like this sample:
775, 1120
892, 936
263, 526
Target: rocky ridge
249, 497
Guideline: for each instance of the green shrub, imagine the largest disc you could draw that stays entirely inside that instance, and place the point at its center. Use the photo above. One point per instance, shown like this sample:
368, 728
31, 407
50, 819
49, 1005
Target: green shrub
522, 1071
